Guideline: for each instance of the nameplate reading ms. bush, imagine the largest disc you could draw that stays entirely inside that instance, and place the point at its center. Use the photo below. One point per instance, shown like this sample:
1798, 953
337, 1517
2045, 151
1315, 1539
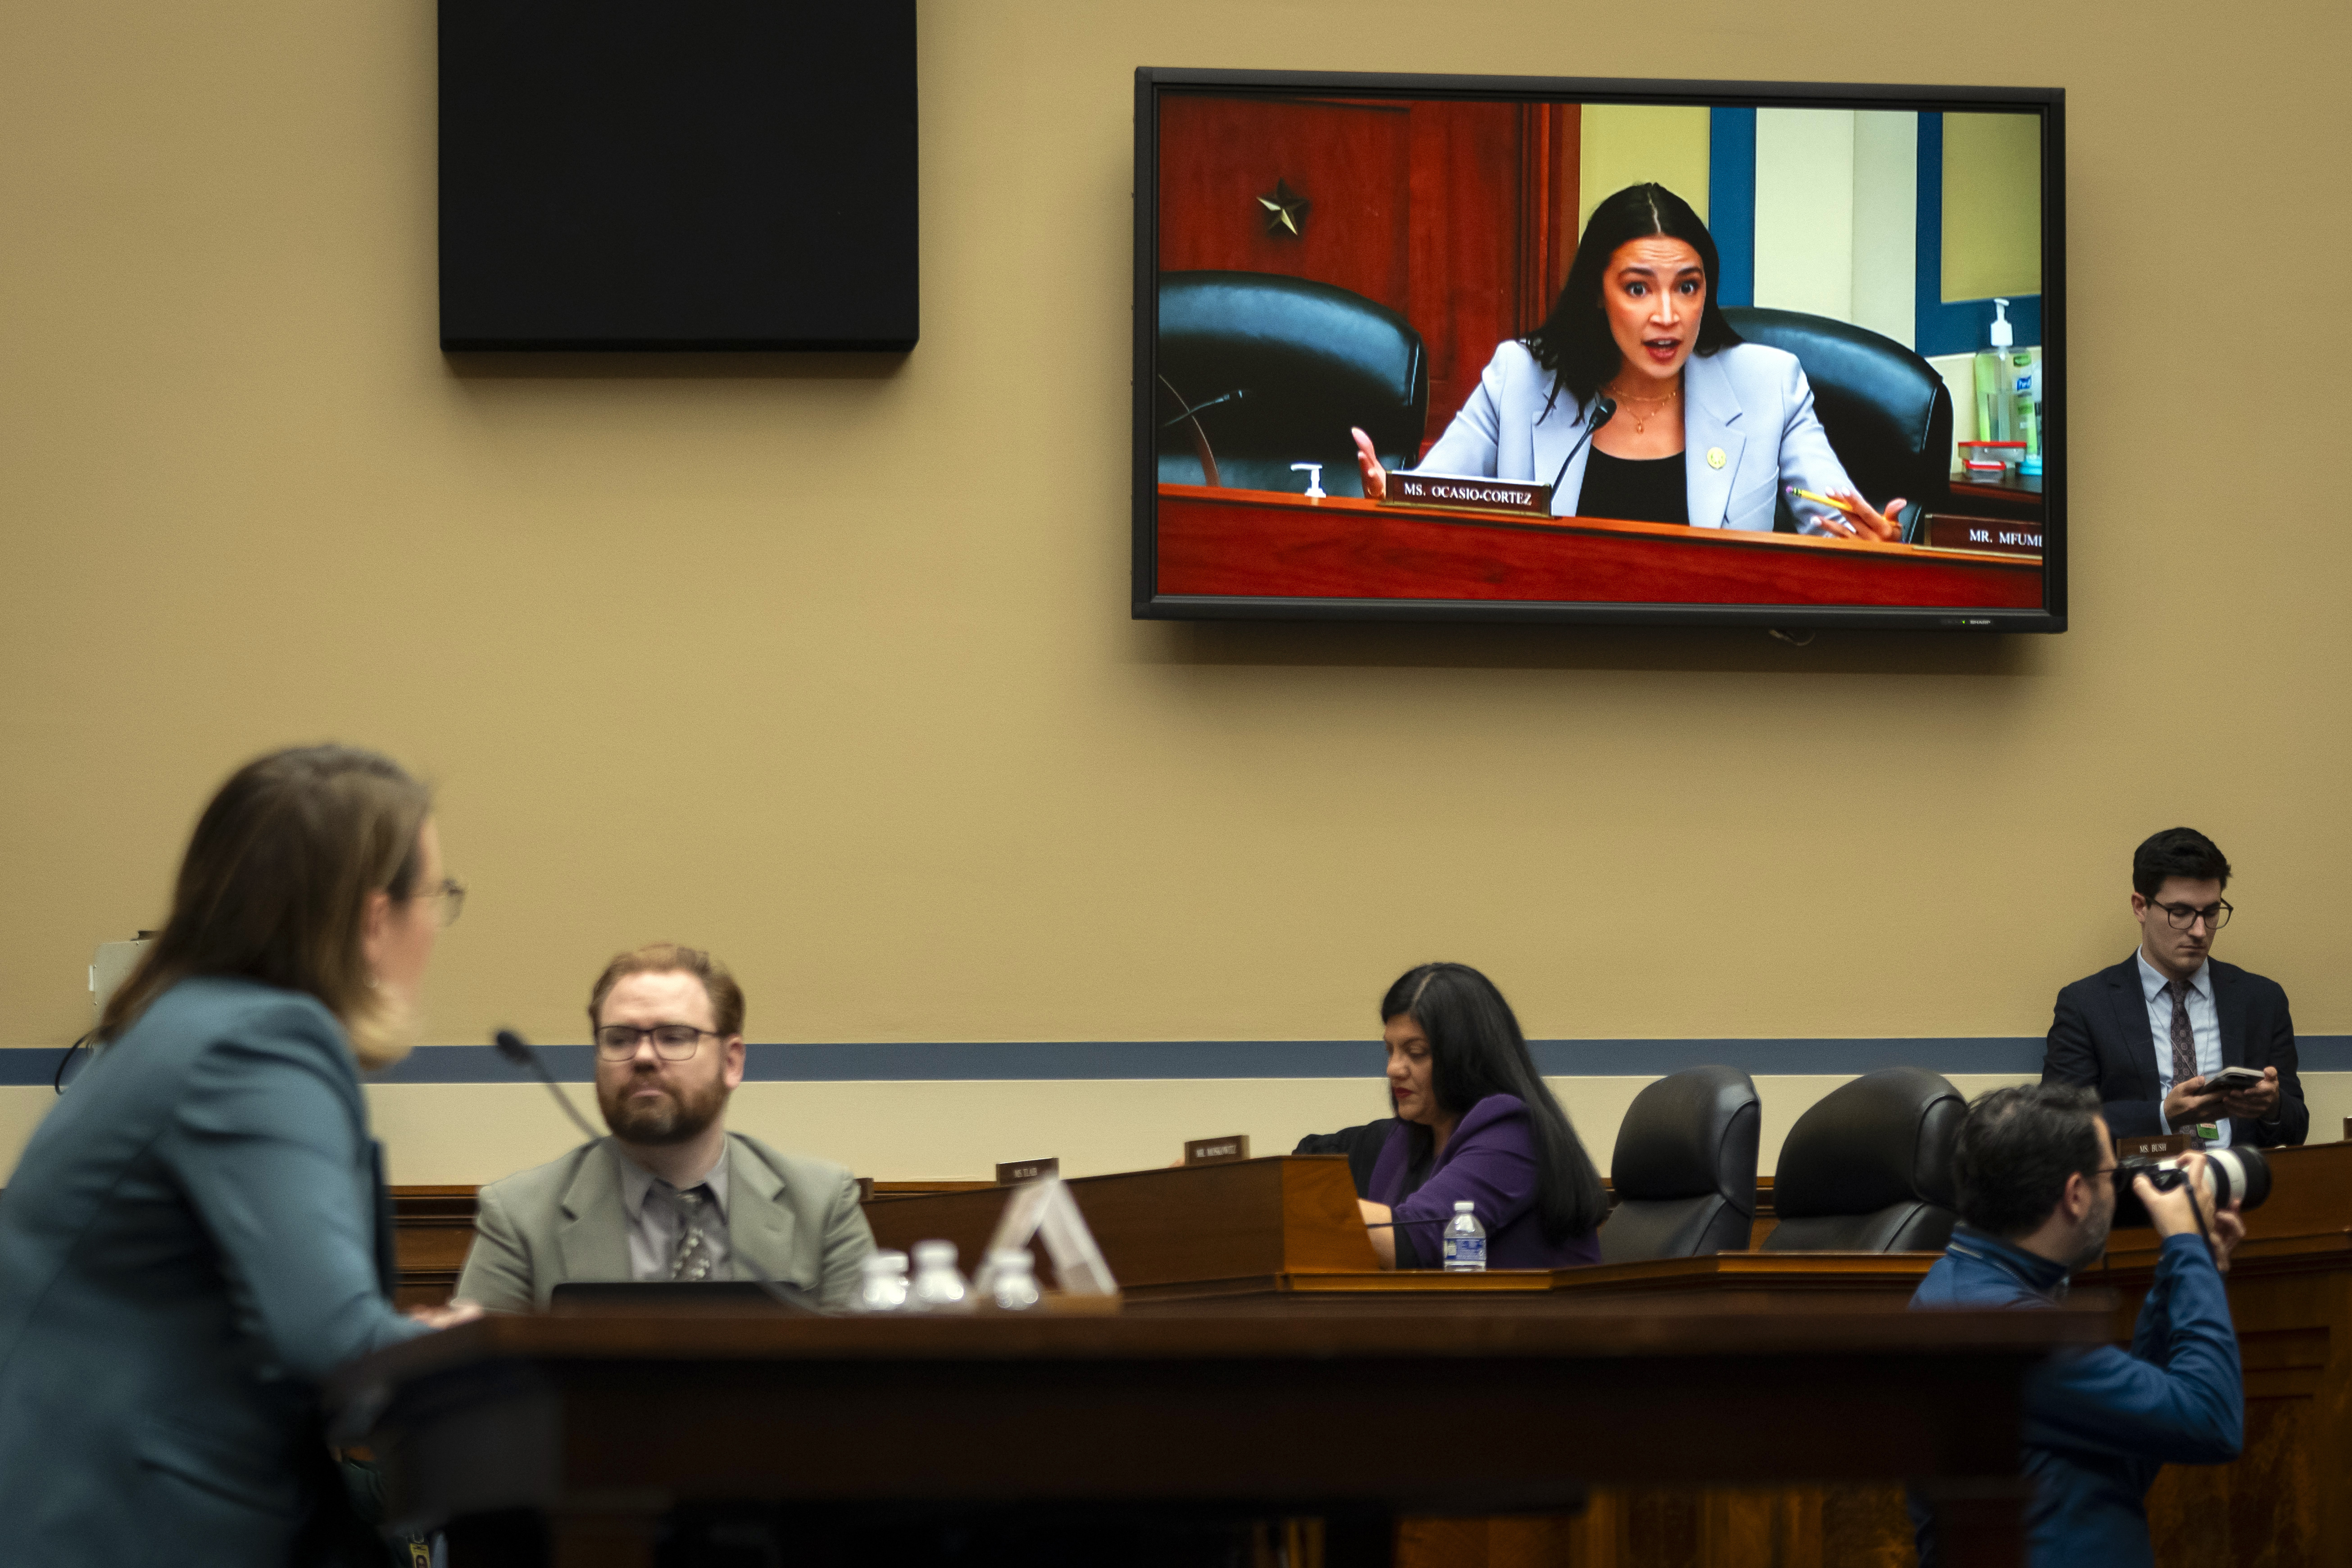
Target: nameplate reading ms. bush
1468, 492
1026, 1170
2155, 1146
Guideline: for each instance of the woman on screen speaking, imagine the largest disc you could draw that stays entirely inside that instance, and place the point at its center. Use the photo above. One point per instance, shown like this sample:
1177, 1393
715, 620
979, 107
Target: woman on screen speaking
1708, 430
1475, 1122
195, 1235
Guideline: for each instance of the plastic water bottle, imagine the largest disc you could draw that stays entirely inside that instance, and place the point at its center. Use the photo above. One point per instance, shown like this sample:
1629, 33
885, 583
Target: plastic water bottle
883, 1287
1466, 1240
938, 1287
1013, 1279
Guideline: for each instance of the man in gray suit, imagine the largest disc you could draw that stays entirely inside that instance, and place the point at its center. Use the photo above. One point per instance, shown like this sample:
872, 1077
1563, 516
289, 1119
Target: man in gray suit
671, 1195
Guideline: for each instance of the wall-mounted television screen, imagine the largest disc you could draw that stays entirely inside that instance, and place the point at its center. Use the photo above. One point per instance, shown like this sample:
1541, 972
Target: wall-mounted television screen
1472, 348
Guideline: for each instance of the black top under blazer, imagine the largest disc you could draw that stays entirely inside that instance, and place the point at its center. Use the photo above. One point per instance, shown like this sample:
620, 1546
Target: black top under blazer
2099, 1037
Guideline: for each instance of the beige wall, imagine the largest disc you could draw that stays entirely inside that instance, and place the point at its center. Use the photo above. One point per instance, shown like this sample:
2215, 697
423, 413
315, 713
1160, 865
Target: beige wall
1993, 206
1622, 145
826, 662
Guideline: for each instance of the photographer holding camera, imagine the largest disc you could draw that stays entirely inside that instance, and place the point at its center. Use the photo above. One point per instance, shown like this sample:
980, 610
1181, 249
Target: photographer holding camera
2038, 1191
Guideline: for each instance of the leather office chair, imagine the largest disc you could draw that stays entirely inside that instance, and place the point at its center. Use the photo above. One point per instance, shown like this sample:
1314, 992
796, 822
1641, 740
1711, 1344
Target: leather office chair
1869, 1168
1887, 412
1309, 359
1685, 1169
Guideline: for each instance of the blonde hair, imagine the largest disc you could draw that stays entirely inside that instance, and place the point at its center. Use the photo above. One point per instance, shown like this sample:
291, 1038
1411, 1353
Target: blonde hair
275, 888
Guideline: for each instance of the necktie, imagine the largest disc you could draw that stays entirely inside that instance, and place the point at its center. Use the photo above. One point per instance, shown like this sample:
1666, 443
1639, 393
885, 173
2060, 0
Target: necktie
2184, 1038
691, 1259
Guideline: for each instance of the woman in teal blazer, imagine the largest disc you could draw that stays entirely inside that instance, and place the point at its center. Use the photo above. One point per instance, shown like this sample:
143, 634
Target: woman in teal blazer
197, 1233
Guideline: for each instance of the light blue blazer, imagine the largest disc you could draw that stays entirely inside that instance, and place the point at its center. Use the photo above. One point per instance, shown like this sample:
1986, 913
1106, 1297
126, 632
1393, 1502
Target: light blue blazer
189, 1244
1746, 405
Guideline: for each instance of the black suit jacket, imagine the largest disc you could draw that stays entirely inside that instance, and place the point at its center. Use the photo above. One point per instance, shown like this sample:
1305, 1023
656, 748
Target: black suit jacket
2099, 1037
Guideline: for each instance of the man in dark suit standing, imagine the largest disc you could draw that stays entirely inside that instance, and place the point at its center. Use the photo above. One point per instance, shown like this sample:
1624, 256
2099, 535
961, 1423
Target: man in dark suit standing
2148, 1033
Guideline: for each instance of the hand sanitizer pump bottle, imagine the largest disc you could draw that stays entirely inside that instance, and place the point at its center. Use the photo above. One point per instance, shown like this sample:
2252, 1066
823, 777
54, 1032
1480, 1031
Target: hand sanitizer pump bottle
1996, 392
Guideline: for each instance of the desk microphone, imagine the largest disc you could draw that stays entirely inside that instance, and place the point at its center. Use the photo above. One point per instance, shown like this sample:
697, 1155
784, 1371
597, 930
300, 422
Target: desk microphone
518, 1050
1605, 409
1237, 395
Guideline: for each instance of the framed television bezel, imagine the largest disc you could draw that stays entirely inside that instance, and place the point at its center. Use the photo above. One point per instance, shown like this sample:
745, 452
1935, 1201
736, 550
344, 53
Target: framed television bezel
1149, 603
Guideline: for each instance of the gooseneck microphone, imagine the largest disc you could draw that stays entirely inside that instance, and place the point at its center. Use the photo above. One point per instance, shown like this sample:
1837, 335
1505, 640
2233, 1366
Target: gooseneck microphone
519, 1051
1237, 395
1605, 409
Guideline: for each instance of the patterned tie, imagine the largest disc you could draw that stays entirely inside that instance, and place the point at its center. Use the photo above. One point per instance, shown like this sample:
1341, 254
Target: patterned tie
692, 1259
2184, 1038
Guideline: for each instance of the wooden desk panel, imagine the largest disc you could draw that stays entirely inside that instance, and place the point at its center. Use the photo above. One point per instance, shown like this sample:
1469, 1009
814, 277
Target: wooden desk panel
607, 1422
433, 1228
1197, 1228
2290, 1295
1264, 544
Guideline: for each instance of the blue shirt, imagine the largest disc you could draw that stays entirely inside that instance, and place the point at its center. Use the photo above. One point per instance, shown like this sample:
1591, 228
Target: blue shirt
2204, 1027
2100, 1423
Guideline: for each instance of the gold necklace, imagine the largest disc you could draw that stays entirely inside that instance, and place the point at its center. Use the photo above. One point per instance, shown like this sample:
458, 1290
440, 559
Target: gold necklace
1642, 421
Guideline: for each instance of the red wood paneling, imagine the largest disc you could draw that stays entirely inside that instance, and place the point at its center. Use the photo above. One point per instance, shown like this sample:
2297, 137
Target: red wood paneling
1218, 156
1257, 544
1465, 242
1457, 215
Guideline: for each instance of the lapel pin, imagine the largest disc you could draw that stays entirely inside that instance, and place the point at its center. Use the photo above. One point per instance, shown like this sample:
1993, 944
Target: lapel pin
1715, 457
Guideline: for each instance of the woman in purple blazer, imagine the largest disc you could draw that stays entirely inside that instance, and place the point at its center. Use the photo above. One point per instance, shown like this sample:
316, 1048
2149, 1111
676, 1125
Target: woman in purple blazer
1474, 1121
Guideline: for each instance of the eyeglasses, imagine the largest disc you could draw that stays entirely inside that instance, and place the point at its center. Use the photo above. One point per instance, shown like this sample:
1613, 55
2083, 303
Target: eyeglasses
672, 1042
452, 894
2183, 916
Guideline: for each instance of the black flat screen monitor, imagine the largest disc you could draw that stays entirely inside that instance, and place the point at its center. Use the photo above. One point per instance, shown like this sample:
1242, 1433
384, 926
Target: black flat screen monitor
1483, 348
721, 177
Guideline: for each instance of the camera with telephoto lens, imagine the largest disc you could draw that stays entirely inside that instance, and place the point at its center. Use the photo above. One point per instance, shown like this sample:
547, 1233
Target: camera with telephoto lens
2242, 1175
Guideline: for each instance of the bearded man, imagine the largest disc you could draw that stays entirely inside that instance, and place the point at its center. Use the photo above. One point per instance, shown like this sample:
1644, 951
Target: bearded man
671, 1195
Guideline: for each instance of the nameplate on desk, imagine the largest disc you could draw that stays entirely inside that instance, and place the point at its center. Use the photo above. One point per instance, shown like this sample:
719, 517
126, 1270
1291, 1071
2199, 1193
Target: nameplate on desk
1026, 1170
1468, 492
2152, 1147
865, 1188
1217, 1150
1945, 533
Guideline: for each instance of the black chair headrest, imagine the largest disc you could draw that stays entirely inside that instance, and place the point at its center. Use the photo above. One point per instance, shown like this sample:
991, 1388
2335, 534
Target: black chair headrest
1887, 412
1690, 1134
1885, 1138
1313, 358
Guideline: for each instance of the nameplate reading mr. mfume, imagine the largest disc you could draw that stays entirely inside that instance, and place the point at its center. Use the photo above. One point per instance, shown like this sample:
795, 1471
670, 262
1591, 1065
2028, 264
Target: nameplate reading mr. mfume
1468, 492
1217, 1150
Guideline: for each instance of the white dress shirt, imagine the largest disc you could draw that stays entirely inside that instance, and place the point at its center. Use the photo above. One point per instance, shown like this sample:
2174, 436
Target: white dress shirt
654, 1225
2204, 1023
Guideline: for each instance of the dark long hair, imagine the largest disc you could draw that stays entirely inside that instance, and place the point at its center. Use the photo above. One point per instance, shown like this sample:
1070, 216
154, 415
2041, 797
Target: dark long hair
1573, 343
1476, 1050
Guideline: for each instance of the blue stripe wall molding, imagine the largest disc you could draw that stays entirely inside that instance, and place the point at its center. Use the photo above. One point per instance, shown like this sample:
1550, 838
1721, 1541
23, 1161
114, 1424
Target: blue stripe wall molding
1001, 1061
1731, 202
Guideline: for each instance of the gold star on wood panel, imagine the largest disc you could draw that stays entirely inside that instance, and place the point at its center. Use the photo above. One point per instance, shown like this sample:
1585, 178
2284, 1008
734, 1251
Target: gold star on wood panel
1285, 211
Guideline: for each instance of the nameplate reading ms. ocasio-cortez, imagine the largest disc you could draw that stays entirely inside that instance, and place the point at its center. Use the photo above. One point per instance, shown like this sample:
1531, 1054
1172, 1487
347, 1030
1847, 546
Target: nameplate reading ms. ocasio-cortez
1026, 1170
1217, 1150
1468, 492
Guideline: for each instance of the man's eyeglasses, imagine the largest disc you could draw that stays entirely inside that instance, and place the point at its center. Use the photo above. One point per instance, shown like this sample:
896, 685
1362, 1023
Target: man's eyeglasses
672, 1042
2183, 916
452, 894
